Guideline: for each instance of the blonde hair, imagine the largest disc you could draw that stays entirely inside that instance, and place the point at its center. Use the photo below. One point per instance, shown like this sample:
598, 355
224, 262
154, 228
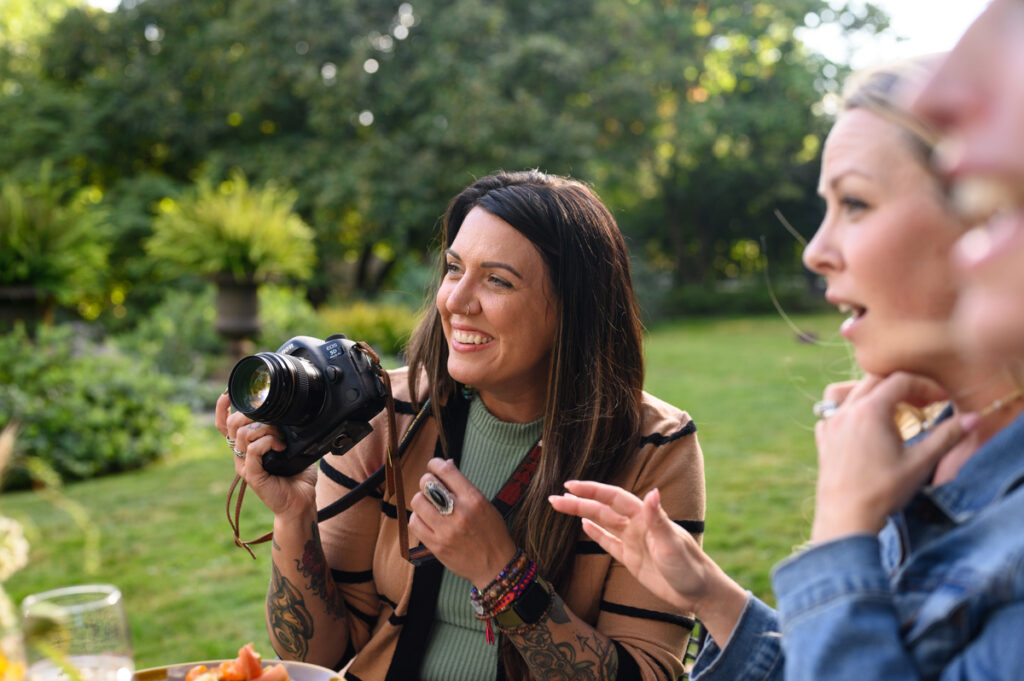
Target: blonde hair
883, 90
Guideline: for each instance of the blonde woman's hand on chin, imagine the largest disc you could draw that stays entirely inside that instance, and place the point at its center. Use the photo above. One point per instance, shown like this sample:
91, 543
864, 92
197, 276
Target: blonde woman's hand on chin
662, 556
865, 471
467, 535
284, 496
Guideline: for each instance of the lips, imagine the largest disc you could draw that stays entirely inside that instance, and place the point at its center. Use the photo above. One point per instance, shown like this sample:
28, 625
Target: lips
854, 314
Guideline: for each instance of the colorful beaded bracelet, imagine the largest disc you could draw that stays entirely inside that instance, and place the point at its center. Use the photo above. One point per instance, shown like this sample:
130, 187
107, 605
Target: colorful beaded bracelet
502, 592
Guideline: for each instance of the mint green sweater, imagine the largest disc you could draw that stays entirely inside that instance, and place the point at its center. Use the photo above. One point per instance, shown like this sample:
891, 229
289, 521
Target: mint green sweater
491, 451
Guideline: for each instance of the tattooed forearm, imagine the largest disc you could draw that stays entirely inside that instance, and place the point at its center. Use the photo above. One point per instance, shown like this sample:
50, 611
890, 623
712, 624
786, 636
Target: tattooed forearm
313, 566
290, 622
592, 658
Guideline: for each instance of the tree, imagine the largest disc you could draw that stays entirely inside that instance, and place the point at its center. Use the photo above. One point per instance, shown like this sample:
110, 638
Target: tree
693, 119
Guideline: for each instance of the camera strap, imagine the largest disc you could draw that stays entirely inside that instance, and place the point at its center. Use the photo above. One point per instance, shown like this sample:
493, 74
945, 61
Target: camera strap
391, 471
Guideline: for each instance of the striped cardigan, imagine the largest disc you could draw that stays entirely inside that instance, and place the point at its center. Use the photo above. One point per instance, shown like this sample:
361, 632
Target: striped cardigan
377, 582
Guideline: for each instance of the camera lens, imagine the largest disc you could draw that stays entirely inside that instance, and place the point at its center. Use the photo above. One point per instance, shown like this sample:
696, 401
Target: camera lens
258, 389
276, 388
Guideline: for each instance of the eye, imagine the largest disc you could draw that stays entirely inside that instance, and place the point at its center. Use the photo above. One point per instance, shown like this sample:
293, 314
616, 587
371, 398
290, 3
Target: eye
498, 281
452, 267
851, 204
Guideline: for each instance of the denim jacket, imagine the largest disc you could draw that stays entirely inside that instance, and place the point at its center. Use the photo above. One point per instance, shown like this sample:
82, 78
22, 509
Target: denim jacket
937, 594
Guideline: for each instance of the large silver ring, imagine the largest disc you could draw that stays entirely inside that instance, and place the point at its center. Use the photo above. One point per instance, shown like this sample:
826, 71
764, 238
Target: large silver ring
823, 409
240, 455
438, 495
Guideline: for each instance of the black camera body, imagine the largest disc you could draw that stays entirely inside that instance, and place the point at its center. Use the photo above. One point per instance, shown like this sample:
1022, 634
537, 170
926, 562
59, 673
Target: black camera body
320, 394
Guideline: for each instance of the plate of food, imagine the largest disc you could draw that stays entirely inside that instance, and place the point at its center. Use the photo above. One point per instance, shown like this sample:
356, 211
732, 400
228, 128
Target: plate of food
248, 666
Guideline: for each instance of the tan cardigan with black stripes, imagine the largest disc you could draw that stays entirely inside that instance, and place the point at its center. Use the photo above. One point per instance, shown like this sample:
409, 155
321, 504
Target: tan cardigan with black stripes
362, 549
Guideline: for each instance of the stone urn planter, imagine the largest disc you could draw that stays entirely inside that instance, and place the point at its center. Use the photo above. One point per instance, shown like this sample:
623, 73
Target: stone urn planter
24, 303
239, 237
237, 307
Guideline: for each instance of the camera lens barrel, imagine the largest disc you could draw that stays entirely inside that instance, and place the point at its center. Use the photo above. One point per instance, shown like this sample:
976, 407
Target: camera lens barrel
276, 388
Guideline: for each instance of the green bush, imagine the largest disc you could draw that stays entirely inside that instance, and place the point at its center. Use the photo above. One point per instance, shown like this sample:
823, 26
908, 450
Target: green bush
386, 327
747, 296
178, 337
285, 313
85, 410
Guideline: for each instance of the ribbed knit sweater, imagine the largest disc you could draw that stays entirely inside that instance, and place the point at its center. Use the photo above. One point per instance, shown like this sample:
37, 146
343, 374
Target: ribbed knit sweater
492, 450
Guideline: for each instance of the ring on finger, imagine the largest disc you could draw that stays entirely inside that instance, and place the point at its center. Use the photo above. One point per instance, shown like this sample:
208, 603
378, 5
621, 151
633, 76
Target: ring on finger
824, 409
439, 496
231, 442
240, 455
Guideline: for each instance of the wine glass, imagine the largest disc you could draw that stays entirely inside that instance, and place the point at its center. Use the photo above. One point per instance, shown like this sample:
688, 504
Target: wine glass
77, 633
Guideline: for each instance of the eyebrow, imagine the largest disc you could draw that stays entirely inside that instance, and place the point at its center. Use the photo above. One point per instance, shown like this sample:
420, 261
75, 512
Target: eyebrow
488, 263
834, 182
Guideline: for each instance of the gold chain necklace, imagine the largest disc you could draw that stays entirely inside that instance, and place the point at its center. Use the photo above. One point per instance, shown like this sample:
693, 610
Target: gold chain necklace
1001, 402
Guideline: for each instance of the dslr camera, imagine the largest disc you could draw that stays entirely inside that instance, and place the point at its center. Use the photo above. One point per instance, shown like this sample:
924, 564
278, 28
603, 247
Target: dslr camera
320, 394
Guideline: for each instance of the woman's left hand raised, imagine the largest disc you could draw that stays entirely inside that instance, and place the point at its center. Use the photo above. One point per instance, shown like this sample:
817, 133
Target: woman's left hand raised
865, 471
471, 540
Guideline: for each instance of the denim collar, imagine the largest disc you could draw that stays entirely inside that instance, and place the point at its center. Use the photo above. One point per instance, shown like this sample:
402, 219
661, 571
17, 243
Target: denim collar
992, 472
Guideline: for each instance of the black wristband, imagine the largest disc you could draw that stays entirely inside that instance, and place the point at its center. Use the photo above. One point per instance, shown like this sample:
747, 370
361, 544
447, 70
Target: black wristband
533, 603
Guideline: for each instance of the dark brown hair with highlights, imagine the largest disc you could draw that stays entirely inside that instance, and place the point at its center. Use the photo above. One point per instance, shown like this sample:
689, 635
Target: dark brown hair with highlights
594, 391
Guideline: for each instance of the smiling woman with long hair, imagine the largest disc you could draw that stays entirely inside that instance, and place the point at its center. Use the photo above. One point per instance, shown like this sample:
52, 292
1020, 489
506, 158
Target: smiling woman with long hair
526, 371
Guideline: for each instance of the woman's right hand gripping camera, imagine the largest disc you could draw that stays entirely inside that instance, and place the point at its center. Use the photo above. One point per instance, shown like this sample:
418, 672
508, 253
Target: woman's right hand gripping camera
250, 440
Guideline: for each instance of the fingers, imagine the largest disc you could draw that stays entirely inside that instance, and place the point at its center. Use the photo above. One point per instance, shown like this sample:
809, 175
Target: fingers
450, 476
910, 388
861, 388
250, 432
589, 509
607, 541
221, 412
253, 443
838, 392
616, 498
922, 457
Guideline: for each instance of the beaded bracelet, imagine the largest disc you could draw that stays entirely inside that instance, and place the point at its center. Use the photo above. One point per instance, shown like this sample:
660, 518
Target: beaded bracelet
484, 600
501, 593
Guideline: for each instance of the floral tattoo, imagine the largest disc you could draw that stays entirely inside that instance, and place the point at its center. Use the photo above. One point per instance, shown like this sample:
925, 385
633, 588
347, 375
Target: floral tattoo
313, 566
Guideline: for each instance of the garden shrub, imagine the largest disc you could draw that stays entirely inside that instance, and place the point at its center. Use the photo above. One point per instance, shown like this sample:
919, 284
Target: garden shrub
386, 327
84, 410
285, 313
751, 295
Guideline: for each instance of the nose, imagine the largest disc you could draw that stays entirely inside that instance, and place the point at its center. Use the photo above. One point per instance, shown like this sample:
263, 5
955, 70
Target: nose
822, 255
461, 298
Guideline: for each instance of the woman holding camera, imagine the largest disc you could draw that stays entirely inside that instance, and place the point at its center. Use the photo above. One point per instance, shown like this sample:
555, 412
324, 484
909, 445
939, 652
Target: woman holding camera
914, 569
527, 372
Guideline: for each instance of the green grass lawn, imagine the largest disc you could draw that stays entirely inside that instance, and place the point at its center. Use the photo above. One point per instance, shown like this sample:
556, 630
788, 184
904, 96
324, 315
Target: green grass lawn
191, 594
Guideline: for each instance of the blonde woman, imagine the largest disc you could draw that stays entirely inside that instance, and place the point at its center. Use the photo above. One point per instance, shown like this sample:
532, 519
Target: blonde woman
915, 567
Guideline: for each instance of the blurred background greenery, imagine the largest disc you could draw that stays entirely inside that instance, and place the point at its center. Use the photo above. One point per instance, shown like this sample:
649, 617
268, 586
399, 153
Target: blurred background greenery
183, 182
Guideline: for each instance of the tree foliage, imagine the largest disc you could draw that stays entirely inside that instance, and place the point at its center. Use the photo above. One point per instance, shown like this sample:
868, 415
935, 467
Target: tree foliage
692, 118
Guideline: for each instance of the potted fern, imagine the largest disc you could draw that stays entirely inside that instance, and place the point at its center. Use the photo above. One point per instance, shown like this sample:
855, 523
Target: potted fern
52, 252
239, 237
